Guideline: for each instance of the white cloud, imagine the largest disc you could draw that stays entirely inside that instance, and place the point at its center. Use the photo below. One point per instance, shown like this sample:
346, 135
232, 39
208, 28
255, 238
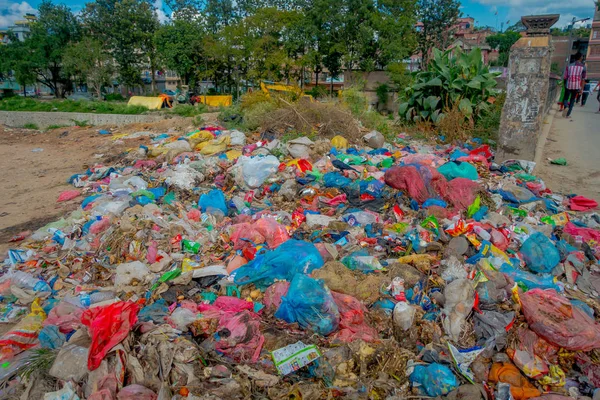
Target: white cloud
10, 12
162, 16
567, 9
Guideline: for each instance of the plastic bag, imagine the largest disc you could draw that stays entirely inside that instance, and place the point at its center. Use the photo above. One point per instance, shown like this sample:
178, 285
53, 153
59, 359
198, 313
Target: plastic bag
273, 295
580, 203
520, 387
157, 312
51, 337
433, 379
420, 182
108, 326
287, 260
66, 316
586, 234
256, 170
453, 170
531, 281
128, 272
275, 233
245, 234
555, 319
461, 192
239, 336
362, 261
310, 303
213, 201
353, 325
70, 363
530, 353
24, 335
68, 195
539, 253
136, 392
335, 180
182, 317
339, 142
459, 302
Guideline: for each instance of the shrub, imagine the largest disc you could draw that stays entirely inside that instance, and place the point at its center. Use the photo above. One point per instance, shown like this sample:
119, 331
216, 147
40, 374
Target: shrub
452, 79
31, 126
114, 97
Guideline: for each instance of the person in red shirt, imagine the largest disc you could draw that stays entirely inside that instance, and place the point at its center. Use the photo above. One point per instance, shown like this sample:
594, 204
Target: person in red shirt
575, 74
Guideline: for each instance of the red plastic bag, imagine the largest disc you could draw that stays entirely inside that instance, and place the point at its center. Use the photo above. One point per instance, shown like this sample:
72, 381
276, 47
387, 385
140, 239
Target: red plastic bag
586, 234
482, 150
580, 203
227, 304
554, 318
68, 195
352, 320
239, 336
108, 326
460, 192
420, 182
531, 353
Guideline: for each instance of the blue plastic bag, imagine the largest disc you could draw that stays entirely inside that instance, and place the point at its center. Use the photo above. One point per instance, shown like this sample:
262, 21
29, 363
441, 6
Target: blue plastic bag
335, 180
51, 337
212, 201
539, 253
434, 379
309, 303
157, 312
435, 202
290, 258
529, 280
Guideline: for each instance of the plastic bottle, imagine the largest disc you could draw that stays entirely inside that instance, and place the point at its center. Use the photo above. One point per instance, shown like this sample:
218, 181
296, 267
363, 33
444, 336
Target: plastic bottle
84, 300
482, 233
404, 315
24, 280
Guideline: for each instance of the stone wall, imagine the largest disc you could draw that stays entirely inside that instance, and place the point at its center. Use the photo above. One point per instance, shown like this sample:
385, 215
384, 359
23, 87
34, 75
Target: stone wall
526, 94
46, 119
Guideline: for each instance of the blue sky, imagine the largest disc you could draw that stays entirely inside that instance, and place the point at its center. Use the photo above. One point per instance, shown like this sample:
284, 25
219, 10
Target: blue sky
482, 10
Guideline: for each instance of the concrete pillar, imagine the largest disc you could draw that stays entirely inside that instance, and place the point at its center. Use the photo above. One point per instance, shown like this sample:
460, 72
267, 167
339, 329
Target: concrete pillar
526, 93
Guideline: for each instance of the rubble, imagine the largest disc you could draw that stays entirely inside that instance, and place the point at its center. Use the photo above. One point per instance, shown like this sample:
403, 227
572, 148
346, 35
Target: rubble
222, 265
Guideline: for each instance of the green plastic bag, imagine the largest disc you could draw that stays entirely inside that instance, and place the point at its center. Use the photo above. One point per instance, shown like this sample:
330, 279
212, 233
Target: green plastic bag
453, 170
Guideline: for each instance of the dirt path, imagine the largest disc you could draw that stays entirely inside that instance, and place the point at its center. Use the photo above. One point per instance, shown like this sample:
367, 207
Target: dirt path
579, 142
32, 178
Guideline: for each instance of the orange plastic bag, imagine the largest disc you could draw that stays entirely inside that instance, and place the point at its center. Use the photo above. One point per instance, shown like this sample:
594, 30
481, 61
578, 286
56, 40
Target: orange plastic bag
108, 326
520, 387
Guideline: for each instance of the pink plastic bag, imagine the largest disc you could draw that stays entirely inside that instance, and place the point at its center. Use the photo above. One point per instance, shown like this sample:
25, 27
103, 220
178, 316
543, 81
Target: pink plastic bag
352, 320
68, 195
580, 203
108, 326
66, 316
461, 192
274, 233
554, 318
239, 336
273, 295
136, 392
420, 182
244, 233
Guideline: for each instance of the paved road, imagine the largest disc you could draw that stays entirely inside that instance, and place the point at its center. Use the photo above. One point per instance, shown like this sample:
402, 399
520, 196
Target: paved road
579, 142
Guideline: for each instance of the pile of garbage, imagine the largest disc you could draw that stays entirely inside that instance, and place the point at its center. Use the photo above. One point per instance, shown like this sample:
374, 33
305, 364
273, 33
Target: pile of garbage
218, 265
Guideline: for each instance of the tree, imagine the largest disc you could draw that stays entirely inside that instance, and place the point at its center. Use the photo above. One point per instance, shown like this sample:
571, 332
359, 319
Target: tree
438, 19
503, 42
180, 48
39, 58
126, 28
89, 60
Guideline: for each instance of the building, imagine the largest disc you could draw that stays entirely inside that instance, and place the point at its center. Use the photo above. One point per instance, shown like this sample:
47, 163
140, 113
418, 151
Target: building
20, 29
468, 38
562, 52
593, 52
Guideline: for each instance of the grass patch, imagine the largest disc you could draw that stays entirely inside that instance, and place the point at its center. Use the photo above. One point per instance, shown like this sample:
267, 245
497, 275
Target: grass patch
187, 110
83, 122
83, 106
31, 126
488, 126
51, 127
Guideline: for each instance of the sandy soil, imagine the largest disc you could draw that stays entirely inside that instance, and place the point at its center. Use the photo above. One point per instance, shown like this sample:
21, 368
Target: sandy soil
577, 140
32, 180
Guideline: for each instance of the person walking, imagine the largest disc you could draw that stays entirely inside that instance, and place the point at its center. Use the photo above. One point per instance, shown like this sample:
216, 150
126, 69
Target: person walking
575, 73
587, 89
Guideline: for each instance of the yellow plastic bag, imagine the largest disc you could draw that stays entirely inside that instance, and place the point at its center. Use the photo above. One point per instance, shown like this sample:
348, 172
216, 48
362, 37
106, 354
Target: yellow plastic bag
339, 142
233, 154
202, 135
216, 146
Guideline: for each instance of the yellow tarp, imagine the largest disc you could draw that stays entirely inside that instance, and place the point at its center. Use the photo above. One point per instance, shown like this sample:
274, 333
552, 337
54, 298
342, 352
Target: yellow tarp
153, 103
216, 101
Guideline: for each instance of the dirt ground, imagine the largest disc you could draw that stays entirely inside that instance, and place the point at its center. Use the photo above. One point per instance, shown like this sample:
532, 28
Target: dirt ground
33, 179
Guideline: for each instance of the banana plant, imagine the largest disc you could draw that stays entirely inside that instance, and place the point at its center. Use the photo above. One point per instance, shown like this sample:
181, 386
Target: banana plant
452, 79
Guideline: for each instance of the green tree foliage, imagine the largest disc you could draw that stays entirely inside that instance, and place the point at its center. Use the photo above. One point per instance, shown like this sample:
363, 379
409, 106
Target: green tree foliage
503, 42
180, 48
90, 62
39, 58
452, 79
439, 19
126, 28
